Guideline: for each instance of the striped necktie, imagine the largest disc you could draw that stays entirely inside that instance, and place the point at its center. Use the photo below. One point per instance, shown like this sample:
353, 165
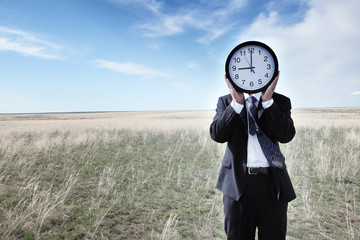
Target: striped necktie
270, 149
253, 127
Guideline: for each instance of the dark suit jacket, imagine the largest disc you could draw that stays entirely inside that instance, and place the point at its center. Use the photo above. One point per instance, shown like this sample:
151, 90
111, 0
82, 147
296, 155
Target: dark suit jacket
230, 127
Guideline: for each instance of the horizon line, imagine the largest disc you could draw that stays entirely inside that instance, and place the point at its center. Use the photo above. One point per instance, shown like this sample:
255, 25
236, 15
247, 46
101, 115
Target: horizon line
164, 110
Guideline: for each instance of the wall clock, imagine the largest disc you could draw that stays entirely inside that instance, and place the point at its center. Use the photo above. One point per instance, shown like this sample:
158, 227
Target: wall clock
251, 66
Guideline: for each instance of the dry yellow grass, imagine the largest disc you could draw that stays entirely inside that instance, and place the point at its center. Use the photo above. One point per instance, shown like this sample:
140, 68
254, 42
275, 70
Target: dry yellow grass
328, 117
77, 175
161, 120
157, 120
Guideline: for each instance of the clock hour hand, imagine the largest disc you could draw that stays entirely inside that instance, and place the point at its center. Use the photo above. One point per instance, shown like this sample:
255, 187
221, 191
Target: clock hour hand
246, 68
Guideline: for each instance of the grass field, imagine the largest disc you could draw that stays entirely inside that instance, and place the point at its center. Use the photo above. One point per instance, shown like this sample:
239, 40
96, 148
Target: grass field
151, 175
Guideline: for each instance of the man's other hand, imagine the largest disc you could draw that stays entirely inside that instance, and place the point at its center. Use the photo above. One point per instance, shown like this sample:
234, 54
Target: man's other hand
267, 94
236, 96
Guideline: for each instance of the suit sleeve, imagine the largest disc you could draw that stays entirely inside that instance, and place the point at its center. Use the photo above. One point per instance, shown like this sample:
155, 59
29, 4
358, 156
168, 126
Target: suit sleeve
278, 120
224, 122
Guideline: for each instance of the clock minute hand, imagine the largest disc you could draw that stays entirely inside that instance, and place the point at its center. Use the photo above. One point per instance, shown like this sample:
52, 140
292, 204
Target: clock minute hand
251, 67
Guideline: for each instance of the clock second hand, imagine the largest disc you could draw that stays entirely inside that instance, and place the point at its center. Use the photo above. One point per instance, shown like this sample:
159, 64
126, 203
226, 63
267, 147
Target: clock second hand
251, 67
247, 61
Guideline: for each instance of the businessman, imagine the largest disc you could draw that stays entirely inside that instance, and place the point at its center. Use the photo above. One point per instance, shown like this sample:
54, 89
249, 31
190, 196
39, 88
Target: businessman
253, 178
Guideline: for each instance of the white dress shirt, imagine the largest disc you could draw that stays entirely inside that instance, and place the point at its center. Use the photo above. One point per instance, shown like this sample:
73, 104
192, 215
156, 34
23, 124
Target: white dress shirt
255, 155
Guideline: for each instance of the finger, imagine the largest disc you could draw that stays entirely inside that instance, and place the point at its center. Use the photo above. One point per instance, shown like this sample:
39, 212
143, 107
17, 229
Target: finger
275, 82
277, 77
226, 80
230, 86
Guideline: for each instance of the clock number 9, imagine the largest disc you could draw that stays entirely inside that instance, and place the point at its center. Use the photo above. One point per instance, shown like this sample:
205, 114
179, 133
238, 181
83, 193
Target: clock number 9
234, 68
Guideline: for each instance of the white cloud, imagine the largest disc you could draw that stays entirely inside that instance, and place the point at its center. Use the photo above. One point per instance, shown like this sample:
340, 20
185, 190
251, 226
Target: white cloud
154, 46
355, 93
193, 65
200, 16
166, 25
151, 5
131, 69
28, 44
319, 54
178, 85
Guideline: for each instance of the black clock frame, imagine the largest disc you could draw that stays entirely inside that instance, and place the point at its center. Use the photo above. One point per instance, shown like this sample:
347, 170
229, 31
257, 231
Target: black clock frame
251, 43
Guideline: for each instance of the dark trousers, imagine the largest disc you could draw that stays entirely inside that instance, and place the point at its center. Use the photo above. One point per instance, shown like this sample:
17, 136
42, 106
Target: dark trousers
257, 208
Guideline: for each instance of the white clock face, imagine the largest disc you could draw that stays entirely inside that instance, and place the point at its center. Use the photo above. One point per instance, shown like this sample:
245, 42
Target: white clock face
251, 66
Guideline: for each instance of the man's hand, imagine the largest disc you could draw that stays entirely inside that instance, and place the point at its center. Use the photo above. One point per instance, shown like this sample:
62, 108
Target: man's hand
267, 94
236, 96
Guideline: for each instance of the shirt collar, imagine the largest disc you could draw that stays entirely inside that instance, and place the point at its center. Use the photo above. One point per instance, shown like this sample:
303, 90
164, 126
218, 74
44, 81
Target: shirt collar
256, 95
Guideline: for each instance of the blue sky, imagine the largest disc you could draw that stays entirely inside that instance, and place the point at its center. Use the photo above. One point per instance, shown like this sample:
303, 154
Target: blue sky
134, 55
